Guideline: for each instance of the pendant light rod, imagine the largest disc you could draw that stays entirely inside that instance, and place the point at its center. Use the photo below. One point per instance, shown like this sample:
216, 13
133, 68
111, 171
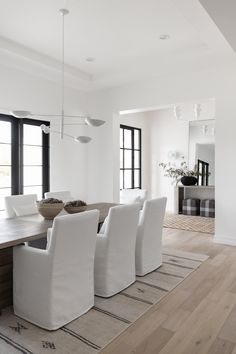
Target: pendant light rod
58, 115
67, 124
63, 12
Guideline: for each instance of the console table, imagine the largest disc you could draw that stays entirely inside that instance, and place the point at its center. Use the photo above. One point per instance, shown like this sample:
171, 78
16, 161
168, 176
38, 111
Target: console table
16, 231
199, 192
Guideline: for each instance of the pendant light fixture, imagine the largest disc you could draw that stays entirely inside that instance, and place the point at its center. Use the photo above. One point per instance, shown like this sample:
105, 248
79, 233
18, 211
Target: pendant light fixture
86, 119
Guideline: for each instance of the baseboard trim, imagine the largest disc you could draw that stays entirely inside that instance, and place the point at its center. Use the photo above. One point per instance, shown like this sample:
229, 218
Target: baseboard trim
225, 240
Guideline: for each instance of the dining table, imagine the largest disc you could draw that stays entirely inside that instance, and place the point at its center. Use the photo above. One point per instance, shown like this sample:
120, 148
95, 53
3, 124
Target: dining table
16, 231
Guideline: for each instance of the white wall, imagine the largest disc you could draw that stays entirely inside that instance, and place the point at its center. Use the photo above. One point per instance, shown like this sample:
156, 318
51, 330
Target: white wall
166, 134
68, 161
218, 83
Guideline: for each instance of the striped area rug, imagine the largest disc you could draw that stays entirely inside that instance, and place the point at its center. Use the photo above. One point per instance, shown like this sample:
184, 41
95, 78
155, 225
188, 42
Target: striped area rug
106, 320
190, 223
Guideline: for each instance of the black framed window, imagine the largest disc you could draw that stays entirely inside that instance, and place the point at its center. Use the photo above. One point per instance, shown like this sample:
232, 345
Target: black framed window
130, 157
24, 157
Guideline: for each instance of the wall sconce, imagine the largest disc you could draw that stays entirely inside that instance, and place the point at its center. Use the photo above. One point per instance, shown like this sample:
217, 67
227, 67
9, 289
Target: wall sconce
204, 129
197, 110
177, 112
173, 155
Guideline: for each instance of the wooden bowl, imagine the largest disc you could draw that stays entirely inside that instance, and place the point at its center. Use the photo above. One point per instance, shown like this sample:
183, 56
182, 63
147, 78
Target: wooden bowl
49, 211
75, 209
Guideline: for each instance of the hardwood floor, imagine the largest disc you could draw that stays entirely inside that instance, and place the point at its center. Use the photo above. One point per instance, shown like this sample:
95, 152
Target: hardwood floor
197, 317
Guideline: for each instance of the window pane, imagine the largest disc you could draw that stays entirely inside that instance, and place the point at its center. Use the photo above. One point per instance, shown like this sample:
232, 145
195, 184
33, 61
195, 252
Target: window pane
5, 154
121, 158
32, 175
121, 179
128, 179
5, 132
136, 178
32, 155
128, 158
130, 162
127, 139
5, 176
136, 159
4, 192
136, 139
32, 134
34, 190
121, 137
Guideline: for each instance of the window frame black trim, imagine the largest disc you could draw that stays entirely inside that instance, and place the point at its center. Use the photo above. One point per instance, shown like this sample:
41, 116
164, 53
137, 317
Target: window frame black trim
123, 126
17, 153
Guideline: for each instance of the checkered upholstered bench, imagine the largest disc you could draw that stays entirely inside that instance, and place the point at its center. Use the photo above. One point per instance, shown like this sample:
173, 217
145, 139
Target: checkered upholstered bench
191, 206
207, 208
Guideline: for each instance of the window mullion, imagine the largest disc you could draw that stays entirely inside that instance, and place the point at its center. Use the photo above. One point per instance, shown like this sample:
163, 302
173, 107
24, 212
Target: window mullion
45, 161
21, 157
132, 149
15, 187
123, 174
140, 159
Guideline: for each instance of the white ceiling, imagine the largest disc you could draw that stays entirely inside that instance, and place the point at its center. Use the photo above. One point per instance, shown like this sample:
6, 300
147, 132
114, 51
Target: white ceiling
122, 36
223, 14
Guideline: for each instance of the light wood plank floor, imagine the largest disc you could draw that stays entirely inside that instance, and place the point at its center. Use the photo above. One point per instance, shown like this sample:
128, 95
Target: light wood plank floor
197, 317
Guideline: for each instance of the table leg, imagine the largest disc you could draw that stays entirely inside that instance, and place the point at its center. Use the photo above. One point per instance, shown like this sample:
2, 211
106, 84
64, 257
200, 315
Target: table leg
6, 277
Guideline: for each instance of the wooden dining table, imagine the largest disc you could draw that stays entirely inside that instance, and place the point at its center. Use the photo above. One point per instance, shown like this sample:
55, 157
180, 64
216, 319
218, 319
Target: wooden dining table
22, 229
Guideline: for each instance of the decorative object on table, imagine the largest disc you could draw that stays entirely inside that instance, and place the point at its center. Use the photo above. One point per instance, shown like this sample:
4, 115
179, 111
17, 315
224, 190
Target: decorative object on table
207, 208
188, 180
180, 173
87, 120
75, 206
49, 208
191, 206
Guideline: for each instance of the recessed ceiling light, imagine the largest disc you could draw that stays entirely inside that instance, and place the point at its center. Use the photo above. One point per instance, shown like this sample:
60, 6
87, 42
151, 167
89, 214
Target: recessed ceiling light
90, 59
163, 37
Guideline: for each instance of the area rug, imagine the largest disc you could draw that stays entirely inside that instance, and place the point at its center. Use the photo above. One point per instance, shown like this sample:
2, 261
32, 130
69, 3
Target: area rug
190, 223
106, 320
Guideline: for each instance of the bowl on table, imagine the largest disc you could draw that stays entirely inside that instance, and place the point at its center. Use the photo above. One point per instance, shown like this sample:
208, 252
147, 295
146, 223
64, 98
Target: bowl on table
49, 208
75, 206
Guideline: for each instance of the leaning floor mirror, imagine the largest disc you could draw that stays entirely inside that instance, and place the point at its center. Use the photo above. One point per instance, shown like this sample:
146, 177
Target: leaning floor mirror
202, 150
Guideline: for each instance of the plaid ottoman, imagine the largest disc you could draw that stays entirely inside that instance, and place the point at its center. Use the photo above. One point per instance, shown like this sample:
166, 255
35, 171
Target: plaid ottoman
207, 208
191, 206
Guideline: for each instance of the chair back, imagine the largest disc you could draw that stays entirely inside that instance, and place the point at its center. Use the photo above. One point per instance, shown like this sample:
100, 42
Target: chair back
149, 236
151, 219
65, 196
130, 196
121, 231
72, 252
20, 205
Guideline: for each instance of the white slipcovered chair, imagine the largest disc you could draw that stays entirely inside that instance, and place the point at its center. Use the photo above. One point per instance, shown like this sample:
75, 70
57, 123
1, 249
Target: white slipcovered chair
53, 287
65, 196
24, 205
149, 237
130, 196
20, 205
114, 267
